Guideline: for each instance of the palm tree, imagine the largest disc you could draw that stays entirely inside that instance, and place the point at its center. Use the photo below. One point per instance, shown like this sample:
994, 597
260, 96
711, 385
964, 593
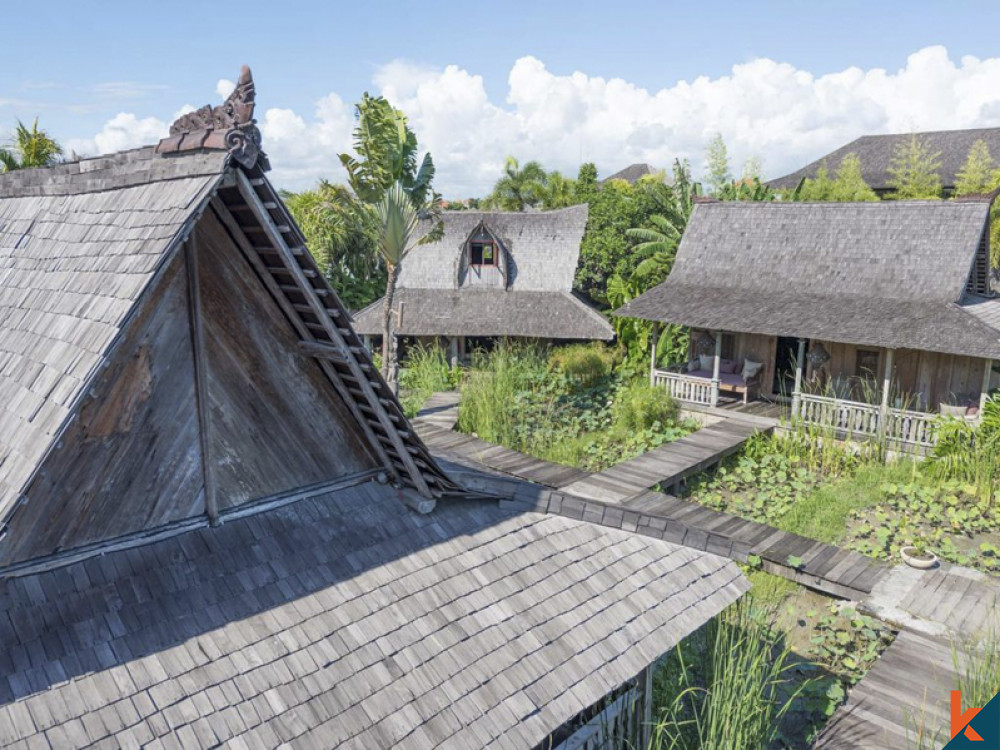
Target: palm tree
29, 148
659, 242
519, 187
387, 178
400, 213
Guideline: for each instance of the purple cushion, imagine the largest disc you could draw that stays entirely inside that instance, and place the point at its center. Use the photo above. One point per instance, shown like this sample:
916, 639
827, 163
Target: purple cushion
731, 379
730, 366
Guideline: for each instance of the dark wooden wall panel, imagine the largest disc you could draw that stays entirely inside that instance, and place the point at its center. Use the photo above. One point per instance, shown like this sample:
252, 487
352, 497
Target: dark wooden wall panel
275, 422
131, 461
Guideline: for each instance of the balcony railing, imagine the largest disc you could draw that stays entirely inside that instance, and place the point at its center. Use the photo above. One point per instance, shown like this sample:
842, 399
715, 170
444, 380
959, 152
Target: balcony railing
686, 388
856, 419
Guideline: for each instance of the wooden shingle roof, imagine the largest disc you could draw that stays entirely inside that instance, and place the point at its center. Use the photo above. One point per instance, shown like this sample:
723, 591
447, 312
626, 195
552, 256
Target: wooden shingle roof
875, 153
489, 312
346, 620
79, 243
889, 274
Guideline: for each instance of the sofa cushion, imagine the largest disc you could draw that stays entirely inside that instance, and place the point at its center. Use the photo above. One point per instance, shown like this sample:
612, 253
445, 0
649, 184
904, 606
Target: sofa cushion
707, 362
751, 368
730, 366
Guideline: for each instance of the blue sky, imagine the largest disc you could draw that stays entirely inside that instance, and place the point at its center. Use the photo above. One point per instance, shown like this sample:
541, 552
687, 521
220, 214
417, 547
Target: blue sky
512, 86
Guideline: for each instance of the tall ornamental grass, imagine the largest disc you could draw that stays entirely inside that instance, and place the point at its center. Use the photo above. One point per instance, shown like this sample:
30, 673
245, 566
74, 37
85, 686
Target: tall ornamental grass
728, 687
970, 452
493, 386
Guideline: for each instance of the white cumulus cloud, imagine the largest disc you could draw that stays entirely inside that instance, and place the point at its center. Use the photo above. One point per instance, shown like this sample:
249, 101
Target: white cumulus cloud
784, 115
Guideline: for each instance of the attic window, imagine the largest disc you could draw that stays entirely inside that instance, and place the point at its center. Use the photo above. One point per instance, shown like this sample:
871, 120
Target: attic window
482, 254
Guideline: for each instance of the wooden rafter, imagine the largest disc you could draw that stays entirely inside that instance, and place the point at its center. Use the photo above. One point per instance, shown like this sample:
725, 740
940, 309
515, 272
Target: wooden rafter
321, 312
301, 329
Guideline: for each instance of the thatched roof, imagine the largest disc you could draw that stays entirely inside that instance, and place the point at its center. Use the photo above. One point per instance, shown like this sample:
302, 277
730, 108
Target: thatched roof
889, 274
489, 312
541, 250
347, 620
632, 173
875, 153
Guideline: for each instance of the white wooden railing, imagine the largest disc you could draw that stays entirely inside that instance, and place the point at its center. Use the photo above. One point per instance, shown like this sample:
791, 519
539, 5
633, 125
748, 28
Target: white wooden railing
686, 388
615, 727
857, 419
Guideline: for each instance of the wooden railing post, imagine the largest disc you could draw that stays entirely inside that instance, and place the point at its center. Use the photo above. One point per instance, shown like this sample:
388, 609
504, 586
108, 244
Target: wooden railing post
883, 413
984, 392
652, 356
715, 368
797, 391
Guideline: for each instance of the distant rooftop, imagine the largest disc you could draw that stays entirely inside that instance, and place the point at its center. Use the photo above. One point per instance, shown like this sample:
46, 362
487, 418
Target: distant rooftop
631, 174
875, 153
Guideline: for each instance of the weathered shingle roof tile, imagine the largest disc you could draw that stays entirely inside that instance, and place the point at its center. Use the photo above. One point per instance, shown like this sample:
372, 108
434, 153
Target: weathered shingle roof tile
471, 626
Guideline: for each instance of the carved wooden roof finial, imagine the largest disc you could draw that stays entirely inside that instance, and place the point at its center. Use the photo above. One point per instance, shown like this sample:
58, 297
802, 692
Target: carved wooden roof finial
230, 127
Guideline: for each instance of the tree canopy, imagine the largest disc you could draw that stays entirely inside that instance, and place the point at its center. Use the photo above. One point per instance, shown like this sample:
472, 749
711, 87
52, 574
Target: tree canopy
846, 186
717, 164
979, 174
342, 235
30, 147
913, 170
519, 187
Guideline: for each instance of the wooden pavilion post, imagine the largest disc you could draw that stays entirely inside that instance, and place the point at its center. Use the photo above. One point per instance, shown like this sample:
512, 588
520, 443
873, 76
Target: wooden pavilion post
453, 346
883, 412
652, 355
984, 392
715, 368
800, 363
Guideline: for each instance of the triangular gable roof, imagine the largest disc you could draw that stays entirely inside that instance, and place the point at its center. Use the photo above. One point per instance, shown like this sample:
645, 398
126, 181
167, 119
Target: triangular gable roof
82, 243
875, 154
889, 273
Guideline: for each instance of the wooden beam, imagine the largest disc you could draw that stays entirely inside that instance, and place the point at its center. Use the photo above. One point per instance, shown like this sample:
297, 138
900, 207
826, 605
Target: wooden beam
715, 368
200, 378
453, 345
250, 253
799, 365
984, 392
274, 232
652, 355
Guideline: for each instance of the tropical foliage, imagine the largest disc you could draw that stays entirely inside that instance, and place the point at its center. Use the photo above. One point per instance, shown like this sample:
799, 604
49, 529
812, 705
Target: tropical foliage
913, 170
980, 175
718, 174
847, 185
520, 186
342, 235
386, 176
30, 147
568, 408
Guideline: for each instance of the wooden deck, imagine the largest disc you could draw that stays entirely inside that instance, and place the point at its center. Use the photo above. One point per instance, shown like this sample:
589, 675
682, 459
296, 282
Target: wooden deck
669, 464
907, 692
441, 410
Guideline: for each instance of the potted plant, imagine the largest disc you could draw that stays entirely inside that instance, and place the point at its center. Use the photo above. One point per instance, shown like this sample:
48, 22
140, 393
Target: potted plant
917, 555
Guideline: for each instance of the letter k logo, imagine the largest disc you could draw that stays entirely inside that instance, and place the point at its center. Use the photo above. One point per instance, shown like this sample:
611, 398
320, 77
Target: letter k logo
960, 721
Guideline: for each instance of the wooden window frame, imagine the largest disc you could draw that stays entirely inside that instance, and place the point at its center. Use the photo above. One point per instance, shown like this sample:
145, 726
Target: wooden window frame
483, 244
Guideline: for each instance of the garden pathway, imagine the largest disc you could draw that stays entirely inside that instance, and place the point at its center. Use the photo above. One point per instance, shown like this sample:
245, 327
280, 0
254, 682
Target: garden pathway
820, 566
669, 464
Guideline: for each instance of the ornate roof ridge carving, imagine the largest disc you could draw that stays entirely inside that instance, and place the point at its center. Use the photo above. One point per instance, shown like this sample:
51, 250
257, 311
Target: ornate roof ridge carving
229, 126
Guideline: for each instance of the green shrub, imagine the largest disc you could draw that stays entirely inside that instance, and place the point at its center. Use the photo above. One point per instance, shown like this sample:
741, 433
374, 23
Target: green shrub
427, 370
583, 363
641, 406
968, 452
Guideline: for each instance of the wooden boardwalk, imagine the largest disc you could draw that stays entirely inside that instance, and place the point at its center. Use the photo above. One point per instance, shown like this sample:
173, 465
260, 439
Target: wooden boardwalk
907, 692
669, 464
440, 410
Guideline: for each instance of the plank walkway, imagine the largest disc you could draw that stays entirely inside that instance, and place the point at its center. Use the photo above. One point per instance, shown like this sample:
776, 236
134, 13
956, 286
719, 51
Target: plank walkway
669, 464
940, 611
826, 568
906, 692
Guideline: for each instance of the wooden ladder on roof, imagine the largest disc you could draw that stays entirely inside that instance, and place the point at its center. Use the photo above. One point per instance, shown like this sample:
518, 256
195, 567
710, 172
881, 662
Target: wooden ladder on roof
255, 216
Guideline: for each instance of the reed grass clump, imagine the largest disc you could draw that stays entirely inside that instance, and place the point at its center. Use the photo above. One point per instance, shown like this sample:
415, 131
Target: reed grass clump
729, 686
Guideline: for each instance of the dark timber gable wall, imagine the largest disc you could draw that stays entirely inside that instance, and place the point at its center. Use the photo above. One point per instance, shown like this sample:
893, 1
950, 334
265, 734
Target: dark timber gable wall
275, 421
132, 460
